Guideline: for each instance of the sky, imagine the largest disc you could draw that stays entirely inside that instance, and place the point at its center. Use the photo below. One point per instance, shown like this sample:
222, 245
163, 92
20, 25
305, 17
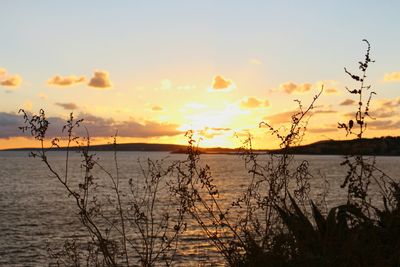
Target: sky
154, 69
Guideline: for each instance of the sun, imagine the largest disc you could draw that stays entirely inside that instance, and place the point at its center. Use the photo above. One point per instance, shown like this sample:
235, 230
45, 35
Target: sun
214, 127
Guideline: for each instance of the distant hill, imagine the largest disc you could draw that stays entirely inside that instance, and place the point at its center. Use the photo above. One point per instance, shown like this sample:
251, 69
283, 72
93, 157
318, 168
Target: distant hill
124, 147
382, 146
142, 147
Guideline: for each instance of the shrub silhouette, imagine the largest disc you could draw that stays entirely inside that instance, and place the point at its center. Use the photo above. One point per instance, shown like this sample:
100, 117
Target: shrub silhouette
358, 233
125, 228
272, 223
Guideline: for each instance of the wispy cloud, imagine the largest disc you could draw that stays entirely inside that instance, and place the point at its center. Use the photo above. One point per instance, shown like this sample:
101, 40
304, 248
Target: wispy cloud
286, 116
331, 90
382, 109
386, 108
323, 111
291, 87
100, 79
347, 102
280, 118
384, 125
106, 127
97, 127
211, 132
392, 77
326, 129
71, 80
67, 106
157, 108
330, 87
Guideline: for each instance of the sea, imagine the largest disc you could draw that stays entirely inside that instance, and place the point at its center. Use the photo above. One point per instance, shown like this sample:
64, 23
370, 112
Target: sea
37, 214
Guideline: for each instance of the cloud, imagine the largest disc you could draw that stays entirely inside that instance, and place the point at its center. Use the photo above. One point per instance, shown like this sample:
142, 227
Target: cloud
348, 102
383, 125
327, 129
383, 113
221, 84
101, 79
220, 129
211, 132
323, 111
9, 123
290, 87
285, 117
65, 80
103, 127
330, 86
349, 115
97, 127
386, 108
392, 77
8, 79
11, 81
156, 108
252, 102
280, 118
68, 106
390, 103
331, 90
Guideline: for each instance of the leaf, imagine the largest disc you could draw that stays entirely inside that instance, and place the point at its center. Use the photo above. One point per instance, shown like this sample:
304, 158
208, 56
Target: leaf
351, 123
319, 219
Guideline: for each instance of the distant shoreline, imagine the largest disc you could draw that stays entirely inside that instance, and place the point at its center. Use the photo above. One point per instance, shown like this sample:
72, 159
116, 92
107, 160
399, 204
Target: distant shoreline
379, 146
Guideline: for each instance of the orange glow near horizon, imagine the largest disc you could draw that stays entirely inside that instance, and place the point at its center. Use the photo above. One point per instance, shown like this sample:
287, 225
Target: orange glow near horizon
217, 124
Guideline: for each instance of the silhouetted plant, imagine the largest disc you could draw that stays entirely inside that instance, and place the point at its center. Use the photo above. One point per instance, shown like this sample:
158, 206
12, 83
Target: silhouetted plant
276, 229
251, 222
345, 237
198, 195
74, 254
362, 171
141, 229
359, 233
274, 178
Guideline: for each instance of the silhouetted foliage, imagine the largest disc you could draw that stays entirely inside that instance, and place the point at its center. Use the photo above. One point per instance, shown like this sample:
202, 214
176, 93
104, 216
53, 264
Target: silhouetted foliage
362, 171
125, 228
272, 223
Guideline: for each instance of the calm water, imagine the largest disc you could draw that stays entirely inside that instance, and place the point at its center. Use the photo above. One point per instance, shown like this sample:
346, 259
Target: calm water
35, 211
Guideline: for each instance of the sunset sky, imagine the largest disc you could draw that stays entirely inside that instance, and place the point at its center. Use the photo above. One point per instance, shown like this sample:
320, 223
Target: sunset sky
154, 69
